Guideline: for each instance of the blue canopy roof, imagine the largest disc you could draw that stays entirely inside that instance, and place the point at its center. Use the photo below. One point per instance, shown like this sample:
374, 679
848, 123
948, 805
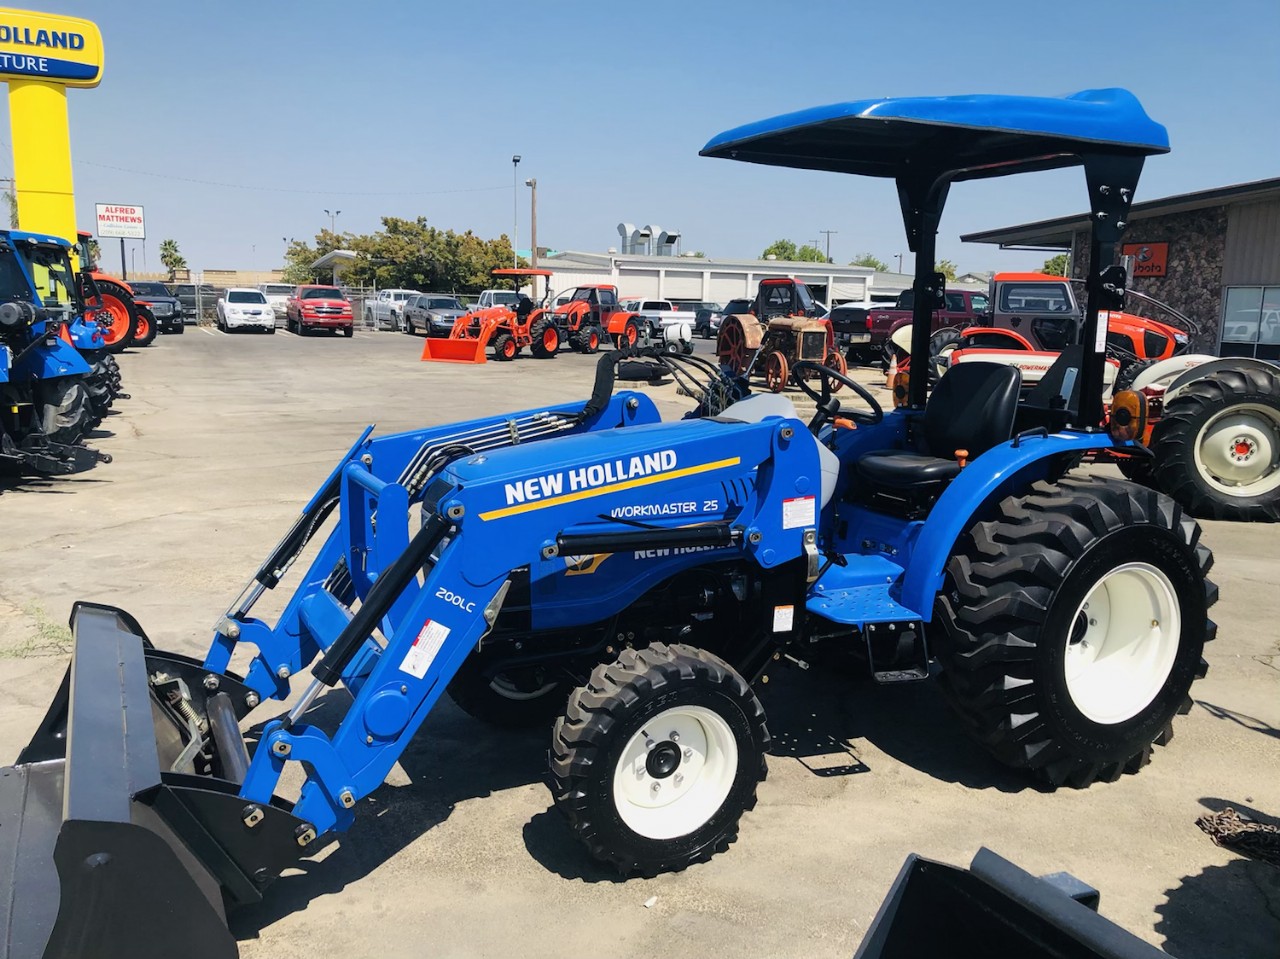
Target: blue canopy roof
969, 136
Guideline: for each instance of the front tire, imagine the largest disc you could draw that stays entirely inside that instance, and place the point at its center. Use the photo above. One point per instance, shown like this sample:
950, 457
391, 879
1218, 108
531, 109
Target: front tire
1075, 622
513, 699
657, 757
1217, 446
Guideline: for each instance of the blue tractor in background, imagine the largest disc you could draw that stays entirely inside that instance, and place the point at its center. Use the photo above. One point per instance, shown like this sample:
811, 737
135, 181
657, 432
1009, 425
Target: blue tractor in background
627, 581
56, 380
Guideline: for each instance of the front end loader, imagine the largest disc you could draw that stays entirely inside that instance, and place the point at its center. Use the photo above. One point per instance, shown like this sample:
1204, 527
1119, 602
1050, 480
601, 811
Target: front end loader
629, 582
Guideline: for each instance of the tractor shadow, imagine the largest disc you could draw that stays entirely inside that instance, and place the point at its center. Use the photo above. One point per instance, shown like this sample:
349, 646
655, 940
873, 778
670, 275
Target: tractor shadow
819, 718
453, 758
1240, 719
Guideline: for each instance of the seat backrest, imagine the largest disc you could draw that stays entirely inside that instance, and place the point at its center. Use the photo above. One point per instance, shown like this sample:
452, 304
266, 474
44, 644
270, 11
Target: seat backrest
972, 408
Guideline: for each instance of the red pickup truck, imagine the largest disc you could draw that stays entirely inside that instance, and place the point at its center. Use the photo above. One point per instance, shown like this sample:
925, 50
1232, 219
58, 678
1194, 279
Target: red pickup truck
865, 341
318, 308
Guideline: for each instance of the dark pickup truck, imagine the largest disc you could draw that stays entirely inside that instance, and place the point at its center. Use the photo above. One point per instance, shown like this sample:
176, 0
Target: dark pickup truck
864, 332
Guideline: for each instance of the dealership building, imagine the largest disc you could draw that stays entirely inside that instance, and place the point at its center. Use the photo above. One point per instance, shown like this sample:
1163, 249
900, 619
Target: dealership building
1213, 255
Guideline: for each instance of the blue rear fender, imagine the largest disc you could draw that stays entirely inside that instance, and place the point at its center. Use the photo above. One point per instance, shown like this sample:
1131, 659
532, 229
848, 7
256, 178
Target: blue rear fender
1005, 470
47, 362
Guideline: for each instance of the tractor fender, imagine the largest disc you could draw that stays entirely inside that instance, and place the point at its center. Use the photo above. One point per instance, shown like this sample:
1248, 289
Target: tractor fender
618, 322
1015, 341
992, 474
1185, 370
49, 361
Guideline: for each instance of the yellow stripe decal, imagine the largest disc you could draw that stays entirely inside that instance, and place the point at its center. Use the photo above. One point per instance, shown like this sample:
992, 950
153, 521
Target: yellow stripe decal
611, 488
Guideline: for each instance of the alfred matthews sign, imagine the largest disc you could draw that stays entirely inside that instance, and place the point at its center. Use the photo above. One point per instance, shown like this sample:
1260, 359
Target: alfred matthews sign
116, 219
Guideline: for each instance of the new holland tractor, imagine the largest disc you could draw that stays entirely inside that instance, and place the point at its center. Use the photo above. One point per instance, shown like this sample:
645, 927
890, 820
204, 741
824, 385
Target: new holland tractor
51, 395
629, 582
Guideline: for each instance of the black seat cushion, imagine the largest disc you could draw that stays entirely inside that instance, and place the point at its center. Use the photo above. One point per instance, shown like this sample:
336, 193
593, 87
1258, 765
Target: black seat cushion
904, 470
972, 408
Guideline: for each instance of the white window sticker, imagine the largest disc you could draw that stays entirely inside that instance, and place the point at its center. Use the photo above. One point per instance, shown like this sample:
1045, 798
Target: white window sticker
798, 511
1100, 338
784, 618
424, 649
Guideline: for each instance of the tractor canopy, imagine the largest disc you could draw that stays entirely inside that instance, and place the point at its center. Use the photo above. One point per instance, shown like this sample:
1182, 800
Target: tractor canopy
972, 137
927, 143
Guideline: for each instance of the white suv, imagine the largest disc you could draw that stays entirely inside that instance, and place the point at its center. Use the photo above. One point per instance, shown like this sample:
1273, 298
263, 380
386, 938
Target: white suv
244, 308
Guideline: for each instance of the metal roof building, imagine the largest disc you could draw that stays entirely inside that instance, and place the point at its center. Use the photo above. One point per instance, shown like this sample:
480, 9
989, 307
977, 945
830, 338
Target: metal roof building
1213, 254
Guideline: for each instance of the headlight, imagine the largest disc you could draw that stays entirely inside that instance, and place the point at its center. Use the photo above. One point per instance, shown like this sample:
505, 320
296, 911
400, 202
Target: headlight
1180, 338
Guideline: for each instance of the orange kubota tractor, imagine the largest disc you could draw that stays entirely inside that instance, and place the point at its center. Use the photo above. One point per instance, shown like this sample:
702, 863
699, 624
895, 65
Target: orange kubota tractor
508, 329
122, 320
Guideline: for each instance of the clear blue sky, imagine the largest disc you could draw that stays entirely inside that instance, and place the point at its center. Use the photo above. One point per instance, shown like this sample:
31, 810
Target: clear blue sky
319, 105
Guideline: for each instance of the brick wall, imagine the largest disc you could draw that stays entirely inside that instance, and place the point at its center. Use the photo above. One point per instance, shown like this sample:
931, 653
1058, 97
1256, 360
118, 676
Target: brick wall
1193, 280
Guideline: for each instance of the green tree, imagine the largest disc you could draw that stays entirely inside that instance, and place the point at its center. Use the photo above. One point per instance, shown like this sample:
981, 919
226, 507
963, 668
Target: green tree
947, 269
699, 254
12, 201
868, 259
297, 262
782, 249
172, 258
1056, 265
810, 254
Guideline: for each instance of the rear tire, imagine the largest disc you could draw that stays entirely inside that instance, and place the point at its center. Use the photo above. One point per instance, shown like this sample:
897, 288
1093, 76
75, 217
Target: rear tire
1032, 672
121, 310
1217, 446
613, 755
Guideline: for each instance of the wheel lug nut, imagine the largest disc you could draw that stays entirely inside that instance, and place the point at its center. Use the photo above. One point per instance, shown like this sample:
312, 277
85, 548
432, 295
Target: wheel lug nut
688, 753
678, 779
674, 736
1093, 622
1155, 624
648, 744
655, 787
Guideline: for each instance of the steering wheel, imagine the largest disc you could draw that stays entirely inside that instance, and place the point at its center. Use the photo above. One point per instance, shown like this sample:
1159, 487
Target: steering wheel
828, 405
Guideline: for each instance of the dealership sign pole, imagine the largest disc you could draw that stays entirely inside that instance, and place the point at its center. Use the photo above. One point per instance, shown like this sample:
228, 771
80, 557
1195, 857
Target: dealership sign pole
124, 221
42, 54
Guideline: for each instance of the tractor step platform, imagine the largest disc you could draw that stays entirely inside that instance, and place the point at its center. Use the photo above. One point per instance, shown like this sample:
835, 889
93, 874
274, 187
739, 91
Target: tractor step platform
859, 593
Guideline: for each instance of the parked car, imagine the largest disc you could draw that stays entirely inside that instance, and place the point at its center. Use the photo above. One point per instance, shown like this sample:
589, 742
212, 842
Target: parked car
386, 310
159, 299
277, 295
432, 313
314, 307
192, 304
709, 328
245, 308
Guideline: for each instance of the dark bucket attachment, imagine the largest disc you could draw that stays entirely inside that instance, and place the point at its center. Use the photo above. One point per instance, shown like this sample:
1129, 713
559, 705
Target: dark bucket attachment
993, 909
103, 854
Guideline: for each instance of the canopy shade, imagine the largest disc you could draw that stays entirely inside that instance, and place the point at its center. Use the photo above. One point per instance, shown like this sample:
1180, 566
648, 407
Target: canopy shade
968, 136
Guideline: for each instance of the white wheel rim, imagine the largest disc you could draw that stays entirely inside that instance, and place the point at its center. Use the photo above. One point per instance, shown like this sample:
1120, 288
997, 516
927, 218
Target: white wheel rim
677, 802
1238, 451
1123, 642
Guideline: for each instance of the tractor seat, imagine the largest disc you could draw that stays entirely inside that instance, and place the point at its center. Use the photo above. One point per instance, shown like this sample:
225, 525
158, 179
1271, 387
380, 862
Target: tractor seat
972, 408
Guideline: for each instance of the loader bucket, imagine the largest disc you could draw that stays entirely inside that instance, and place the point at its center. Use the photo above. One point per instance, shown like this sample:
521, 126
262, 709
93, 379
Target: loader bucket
103, 854
994, 909
450, 350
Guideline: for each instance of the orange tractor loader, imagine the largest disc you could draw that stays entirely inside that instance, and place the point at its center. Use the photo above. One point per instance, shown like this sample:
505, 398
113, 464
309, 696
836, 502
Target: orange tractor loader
508, 330
123, 322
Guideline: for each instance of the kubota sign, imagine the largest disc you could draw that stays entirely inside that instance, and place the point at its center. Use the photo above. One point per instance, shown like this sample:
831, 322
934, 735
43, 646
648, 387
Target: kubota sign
45, 46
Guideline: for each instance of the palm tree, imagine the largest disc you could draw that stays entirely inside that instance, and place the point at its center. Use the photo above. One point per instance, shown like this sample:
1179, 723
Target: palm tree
172, 258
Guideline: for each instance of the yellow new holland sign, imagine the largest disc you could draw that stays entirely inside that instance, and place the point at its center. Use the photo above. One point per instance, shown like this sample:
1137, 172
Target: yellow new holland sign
45, 46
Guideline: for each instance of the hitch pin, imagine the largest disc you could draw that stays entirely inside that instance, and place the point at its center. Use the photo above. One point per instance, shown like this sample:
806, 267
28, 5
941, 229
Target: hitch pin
304, 703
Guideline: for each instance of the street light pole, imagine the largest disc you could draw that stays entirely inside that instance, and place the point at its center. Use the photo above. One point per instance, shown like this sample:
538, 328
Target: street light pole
899, 256
532, 184
333, 220
515, 212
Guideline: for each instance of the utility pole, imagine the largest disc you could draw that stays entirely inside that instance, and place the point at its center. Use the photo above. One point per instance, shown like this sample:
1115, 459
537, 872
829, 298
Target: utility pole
515, 213
532, 184
828, 233
124, 273
899, 256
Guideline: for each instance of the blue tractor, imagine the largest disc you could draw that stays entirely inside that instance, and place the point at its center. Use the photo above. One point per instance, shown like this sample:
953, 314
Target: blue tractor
55, 383
627, 581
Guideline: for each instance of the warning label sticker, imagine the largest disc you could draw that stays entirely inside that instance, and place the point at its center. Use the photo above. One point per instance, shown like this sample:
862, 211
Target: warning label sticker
799, 511
784, 618
424, 649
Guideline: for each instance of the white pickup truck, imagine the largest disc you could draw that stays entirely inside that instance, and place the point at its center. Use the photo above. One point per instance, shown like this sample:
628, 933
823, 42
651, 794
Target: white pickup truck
666, 322
277, 295
387, 308
488, 298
